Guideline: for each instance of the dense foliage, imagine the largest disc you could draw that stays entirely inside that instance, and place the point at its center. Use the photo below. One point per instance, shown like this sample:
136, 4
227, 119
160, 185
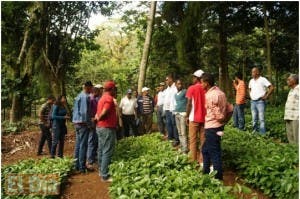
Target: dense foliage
146, 167
267, 165
60, 166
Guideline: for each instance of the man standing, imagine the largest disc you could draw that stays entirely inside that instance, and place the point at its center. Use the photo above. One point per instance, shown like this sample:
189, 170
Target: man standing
291, 113
215, 104
159, 109
169, 108
240, 100
145, 110
106, 118
195, 110
83, 124
180, 115
92, 139
44, 115
260, 89
128, 107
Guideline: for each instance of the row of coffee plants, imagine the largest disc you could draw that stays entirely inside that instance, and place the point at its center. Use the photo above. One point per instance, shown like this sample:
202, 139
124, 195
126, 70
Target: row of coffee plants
35, 178
146, 167
270, 166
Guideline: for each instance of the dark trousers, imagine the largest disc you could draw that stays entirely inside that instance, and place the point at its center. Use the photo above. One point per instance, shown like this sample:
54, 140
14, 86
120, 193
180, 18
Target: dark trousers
161, 120
59, 133
129, 122
211, 152
239, 116
171, 127
92, 146
45, 135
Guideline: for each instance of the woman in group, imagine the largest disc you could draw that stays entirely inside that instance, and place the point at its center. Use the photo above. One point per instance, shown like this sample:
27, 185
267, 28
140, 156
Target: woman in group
59, 128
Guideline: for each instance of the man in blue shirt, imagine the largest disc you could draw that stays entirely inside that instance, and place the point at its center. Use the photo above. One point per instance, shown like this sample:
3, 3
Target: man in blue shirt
83, 123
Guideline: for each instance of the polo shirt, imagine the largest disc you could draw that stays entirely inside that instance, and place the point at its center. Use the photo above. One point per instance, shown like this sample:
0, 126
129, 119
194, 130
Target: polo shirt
128, 106
197, 94
110, 120
258, 87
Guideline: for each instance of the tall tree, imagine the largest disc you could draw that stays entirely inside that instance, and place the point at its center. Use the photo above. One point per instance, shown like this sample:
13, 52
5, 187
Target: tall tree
268, 42
145, 55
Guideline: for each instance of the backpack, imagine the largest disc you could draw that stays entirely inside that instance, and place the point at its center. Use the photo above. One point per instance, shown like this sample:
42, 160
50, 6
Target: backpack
229, 112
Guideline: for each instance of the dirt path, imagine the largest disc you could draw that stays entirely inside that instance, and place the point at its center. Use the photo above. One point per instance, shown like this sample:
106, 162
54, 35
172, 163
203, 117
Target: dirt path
78, 186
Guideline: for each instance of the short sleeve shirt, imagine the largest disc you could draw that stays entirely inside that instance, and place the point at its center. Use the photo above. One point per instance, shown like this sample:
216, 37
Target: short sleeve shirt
110, 120
128, 106
258, 87
291, 111
197, 94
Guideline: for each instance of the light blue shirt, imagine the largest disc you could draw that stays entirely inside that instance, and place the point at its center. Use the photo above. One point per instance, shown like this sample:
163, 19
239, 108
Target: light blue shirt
81, 110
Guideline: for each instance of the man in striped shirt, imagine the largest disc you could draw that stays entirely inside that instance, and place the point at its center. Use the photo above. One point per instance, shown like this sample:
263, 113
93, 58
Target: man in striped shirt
145, 110
240, 101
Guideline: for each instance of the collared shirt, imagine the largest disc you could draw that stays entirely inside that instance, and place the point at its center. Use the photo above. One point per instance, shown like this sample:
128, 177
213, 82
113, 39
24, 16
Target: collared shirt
110, 119
240, 92
81, 110
292, 105
44, 113
128, 106
258, 87
170, 98
215, 108
145, 104
160, 98
196, 93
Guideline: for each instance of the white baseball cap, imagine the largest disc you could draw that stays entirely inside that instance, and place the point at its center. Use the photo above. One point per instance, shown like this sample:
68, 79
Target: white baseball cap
145, 89
98, 86
198, 73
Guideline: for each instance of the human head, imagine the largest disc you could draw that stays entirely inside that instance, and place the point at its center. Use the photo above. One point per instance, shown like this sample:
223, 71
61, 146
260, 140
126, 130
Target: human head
170, 79
207, 80
238, 76
135, 93
61, 100
145, 91
110, 86
51, 99
197, 76
292, 80
88, 86
161, 86
255, 73
179, 85
98, 90
129, 93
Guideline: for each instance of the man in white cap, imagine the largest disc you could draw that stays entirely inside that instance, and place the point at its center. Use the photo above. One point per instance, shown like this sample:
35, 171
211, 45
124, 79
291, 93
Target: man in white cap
195, 111
145, 110
128, 107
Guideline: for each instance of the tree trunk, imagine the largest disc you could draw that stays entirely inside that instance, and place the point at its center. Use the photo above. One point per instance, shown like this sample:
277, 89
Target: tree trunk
224, 81
268, 46
143, 66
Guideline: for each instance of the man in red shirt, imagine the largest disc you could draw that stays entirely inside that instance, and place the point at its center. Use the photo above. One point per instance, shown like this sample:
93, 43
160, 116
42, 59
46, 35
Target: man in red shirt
195, 112
106, 118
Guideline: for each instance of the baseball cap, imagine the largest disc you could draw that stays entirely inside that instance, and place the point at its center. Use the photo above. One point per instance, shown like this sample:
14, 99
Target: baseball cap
198, 73
109, 85
98, 86
145, 89
129, 91
88, 83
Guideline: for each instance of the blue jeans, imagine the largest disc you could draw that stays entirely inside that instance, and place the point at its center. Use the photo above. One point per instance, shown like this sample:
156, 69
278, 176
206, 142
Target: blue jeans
239, 116
171, 126
211, 152
59, 133
82, 133
106, 145
258, 114
92, 146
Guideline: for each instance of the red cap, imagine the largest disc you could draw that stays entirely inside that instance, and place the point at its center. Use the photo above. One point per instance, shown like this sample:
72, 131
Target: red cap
109, 85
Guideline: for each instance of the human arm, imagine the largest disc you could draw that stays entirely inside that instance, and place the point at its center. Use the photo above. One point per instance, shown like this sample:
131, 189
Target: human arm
268, 93
56, 116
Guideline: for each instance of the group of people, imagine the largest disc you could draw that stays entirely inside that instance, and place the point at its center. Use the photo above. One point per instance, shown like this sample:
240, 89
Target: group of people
191, 118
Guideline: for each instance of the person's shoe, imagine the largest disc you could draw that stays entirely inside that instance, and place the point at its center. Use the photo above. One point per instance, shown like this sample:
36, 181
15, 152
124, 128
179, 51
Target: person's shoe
107, 180
40, 153
52, 156
175, 144
89, 167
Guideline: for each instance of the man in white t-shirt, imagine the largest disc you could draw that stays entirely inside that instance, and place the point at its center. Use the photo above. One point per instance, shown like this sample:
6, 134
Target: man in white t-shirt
260, 89
128, 107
